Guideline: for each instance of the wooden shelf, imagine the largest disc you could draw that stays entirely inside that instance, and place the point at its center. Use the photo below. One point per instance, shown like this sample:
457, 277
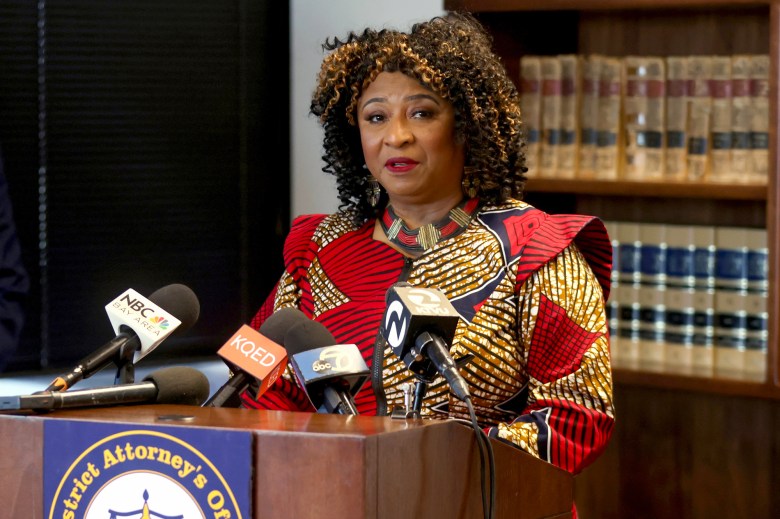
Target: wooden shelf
717, 386
755, 192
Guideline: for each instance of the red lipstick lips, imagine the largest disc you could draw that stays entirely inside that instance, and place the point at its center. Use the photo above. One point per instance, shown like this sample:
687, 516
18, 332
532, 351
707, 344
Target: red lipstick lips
400, 164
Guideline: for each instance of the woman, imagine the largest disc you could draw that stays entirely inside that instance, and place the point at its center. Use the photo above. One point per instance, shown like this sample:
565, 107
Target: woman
423, 134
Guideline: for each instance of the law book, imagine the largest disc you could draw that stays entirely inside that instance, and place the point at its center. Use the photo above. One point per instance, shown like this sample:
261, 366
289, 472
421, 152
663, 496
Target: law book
675, 135
643, 117
704, 256
629, 327
740, 117
589, 116
704, 252
652, 254
720, 121
652, 262
756, 337
679, 330
608, 138
531, 109
703, 354
731, 259
757, 260
759, 125
730, 334
613, 303
680, 256
652, 323
552, 80
699, 110
570, 79
629, 253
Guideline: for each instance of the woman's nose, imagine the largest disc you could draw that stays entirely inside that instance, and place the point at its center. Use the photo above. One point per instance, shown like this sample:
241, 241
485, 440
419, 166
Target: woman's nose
398, 132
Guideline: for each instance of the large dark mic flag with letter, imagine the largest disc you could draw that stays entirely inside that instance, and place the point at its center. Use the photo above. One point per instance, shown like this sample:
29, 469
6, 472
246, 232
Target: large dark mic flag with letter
419, 325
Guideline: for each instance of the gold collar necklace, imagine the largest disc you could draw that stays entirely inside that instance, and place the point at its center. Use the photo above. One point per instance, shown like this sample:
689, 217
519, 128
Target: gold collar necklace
417, 241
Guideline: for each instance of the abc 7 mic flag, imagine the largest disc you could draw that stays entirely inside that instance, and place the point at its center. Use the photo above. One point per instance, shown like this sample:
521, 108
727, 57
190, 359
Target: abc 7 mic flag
151, 323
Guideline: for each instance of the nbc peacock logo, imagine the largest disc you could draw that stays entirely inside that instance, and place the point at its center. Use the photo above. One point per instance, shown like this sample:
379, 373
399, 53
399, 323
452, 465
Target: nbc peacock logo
160, 322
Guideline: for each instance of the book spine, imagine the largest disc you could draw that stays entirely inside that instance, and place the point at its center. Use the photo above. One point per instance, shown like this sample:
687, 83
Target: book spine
551, 116
629, 327
730, 334
699, 108
676, 153
679, 330
570, 79
630, 253
740, 117
531, 109
680, 256
756, 339
720, 126
652, 254
629, 277
613, 303
704, 253
652, 295
703, 355
652, 347
608, 137
589, 116
757, 261
643, 119
759, 125
731, 259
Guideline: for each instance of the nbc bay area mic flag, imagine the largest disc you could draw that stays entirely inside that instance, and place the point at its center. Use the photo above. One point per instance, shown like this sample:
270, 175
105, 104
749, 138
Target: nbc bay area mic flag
151, 323
107, 470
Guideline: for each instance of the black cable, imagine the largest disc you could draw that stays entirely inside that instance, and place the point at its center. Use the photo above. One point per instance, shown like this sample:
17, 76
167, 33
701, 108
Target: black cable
486, 457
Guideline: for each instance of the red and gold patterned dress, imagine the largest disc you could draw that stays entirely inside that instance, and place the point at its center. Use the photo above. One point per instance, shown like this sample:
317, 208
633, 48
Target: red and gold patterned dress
530, 289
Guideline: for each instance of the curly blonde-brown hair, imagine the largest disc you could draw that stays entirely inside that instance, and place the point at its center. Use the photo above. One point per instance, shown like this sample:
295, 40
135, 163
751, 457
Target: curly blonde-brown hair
451, 56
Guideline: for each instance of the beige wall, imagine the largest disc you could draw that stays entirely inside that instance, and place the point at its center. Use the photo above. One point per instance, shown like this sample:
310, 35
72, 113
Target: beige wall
311, 22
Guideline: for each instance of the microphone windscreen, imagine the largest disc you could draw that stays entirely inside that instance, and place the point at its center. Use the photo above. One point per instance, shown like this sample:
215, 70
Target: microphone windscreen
179, 301
179, 385
280, 322
307, 335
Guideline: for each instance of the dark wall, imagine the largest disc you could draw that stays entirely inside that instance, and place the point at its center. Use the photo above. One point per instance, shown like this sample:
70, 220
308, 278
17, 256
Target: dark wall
145, 143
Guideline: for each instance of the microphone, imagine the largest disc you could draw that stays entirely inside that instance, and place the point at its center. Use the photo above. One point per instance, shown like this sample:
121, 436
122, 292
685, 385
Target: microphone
140, 325
330, 373
419, 325
175, 385
253, 355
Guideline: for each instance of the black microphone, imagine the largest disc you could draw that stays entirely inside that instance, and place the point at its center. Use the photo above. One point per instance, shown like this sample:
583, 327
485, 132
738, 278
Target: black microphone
274, 328
419, 324
175, 385
330, 373
177, 300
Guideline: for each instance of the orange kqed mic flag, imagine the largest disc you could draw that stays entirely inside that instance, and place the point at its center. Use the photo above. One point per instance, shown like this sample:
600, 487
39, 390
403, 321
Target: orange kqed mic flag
255, 354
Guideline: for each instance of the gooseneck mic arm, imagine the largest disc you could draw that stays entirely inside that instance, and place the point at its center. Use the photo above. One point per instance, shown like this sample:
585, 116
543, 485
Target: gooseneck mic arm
175, 385
434, 347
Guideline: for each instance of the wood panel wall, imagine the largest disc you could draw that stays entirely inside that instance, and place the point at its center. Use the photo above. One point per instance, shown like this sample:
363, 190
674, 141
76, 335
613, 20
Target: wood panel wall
686, 455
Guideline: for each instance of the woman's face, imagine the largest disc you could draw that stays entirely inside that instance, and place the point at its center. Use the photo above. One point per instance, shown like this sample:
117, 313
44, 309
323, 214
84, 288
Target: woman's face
408, 138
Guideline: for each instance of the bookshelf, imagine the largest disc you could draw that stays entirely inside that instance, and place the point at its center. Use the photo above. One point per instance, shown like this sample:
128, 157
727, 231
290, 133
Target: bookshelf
683, 446
666, 28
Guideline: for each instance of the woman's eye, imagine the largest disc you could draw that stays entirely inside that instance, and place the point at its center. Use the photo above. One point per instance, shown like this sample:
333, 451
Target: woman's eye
375, 118
422, 114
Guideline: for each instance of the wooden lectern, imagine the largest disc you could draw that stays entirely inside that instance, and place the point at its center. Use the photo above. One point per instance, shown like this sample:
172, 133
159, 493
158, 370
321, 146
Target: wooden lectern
324, 466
